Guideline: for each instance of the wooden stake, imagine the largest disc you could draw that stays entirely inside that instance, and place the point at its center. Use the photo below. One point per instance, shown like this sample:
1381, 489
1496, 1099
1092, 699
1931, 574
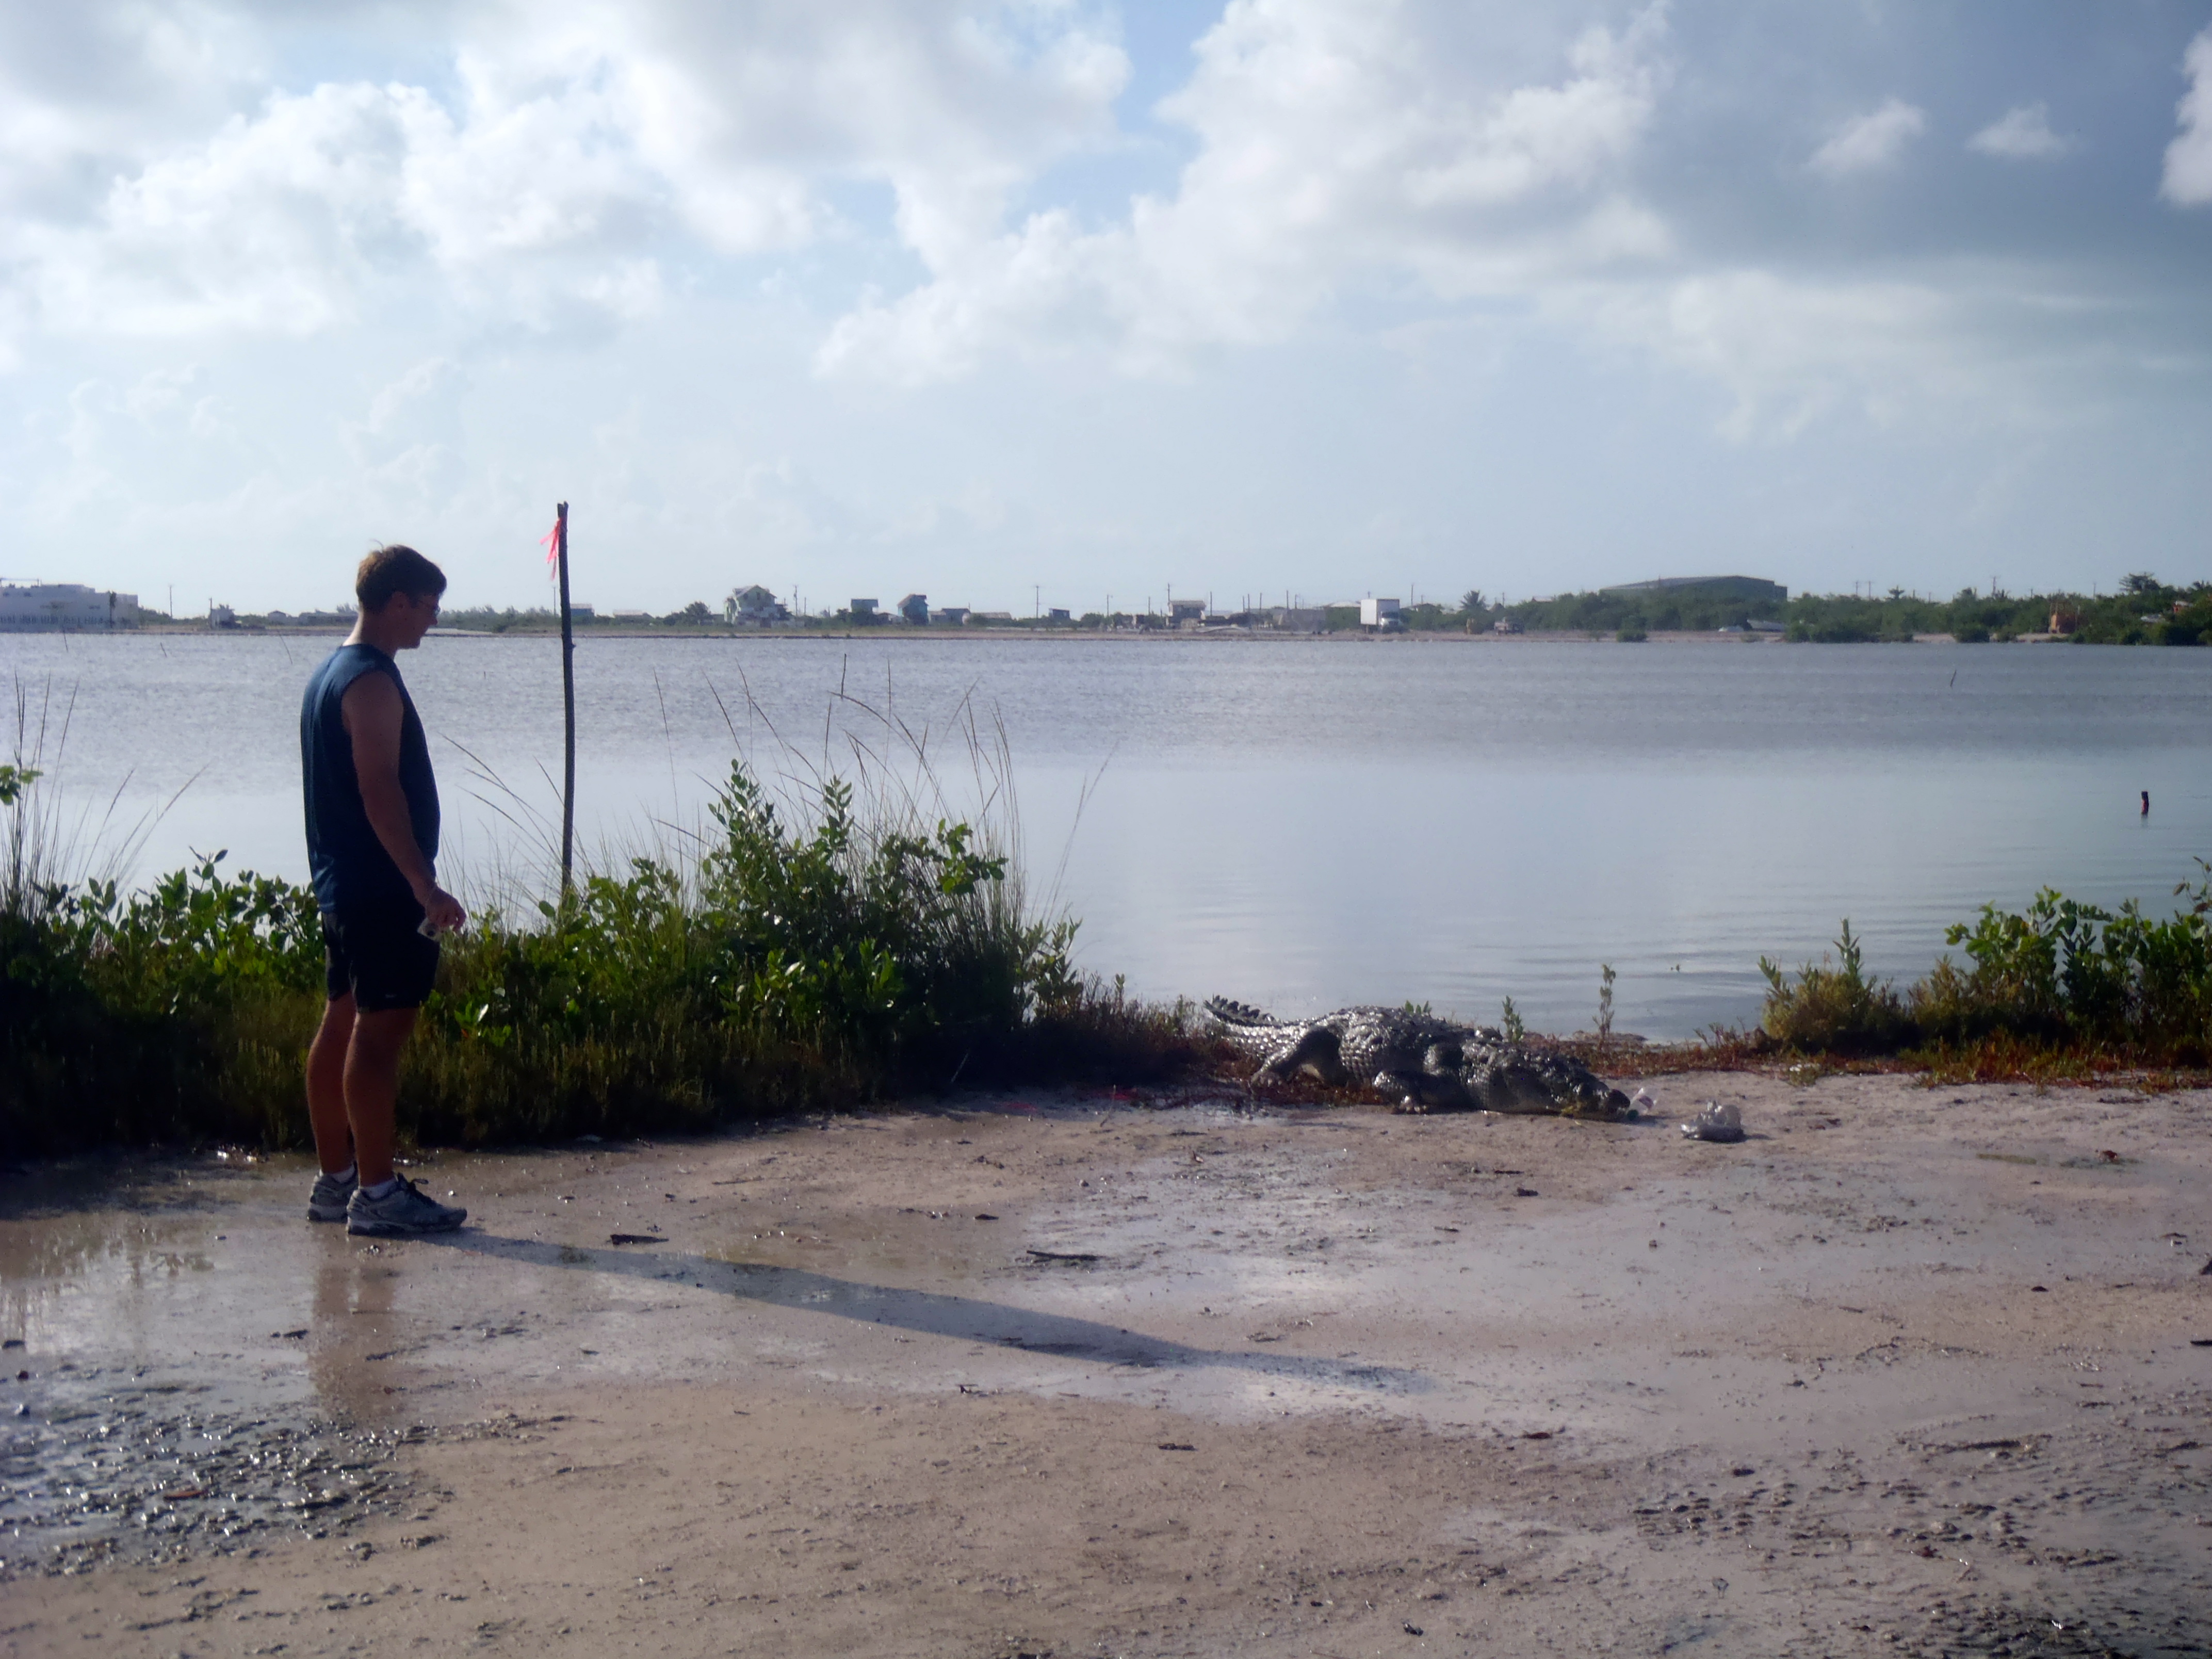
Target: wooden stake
568, 713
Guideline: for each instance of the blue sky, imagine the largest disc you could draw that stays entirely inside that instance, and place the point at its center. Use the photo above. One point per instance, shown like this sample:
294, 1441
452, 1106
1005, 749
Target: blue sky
1319, 297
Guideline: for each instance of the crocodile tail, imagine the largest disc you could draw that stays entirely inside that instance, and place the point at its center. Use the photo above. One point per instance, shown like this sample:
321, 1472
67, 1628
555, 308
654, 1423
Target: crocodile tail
1237, 1014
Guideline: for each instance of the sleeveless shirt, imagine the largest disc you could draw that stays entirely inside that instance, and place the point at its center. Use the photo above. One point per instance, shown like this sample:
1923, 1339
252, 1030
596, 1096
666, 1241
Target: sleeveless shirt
349, 867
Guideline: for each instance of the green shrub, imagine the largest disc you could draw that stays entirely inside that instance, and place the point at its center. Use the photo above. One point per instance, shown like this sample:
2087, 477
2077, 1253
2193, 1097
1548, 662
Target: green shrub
2071, 972
1834, 1009
2061, 975
804, 954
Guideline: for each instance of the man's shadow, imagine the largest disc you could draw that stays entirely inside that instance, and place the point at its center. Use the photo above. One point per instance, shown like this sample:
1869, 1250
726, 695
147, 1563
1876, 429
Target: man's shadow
930, 1312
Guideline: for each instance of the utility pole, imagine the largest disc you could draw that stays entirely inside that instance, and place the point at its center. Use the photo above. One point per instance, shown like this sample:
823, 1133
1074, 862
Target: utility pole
569, 713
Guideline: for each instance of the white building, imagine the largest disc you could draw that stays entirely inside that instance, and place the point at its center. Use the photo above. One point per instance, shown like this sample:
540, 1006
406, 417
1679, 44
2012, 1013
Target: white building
66, 607
754, 604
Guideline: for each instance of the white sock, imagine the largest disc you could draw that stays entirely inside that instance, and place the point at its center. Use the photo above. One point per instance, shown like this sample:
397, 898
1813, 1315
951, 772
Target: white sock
343, 1177
381, 1188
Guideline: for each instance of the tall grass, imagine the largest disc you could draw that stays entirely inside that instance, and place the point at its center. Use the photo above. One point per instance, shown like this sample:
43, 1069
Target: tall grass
821, 938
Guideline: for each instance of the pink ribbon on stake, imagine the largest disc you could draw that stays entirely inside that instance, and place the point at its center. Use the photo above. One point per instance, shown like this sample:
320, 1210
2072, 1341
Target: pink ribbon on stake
550, 541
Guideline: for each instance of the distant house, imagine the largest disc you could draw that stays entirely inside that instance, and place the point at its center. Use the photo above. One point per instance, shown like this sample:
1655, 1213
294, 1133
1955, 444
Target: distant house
1058, 616
583, 613
222, 616
627, 615
953, 614
1182, 611
915, 607
984, 618
1752, 589
754, 604
861, 610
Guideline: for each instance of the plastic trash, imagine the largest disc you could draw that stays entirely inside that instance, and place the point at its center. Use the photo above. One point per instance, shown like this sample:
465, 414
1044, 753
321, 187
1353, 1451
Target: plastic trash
1716, 1123
1645, 1103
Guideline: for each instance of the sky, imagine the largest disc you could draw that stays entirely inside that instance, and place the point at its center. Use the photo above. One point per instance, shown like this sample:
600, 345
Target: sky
1064, 304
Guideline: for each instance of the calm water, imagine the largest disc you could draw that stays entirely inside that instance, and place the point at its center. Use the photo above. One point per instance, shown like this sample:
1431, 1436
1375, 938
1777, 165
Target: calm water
1298, 824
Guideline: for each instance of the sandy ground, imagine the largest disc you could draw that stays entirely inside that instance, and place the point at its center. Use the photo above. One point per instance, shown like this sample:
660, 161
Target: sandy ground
1910, 1372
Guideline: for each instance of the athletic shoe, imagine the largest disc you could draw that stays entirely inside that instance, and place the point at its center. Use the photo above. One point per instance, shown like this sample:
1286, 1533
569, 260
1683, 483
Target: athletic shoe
328, 1201
405, 1209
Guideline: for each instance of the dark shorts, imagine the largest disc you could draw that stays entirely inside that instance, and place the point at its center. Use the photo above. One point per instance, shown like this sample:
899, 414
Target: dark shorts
376, 957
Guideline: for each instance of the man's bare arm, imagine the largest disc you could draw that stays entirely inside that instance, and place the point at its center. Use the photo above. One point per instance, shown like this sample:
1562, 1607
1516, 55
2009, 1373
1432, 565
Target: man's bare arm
372, 711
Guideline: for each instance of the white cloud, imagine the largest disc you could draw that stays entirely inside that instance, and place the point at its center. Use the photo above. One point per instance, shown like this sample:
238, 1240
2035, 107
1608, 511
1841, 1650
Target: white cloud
1789, 349
578, 135
2023, 134
2188, 180
1340, 141
1867, 143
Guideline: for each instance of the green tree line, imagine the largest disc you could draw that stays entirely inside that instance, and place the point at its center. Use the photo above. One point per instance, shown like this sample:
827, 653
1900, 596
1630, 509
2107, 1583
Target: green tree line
2145, 612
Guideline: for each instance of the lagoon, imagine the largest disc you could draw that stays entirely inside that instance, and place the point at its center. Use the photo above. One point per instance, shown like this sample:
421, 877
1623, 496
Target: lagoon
1299, 824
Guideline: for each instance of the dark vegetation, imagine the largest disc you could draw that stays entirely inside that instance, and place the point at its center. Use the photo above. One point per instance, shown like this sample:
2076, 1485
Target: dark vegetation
804, 951
2060, 987
2145, 612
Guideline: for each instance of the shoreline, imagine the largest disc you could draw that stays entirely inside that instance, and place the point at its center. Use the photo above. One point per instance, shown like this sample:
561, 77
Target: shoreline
1001, 636
1072, 1372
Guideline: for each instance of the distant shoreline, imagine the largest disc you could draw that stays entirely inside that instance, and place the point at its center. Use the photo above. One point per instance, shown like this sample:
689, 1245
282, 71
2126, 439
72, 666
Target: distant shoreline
1001, 636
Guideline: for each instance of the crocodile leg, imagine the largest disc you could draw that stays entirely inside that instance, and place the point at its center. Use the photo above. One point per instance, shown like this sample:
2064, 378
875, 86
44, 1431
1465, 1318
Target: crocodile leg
1315, 1052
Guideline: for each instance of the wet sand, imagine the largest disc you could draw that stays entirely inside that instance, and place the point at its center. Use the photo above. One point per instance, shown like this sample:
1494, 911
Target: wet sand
1909, 1371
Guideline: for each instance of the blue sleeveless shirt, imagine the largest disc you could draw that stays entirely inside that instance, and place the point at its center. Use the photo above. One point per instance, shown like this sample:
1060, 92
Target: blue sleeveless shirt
349, 866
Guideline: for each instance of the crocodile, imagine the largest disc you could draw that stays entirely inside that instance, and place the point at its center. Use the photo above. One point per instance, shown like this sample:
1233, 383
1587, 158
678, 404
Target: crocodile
1428, 1064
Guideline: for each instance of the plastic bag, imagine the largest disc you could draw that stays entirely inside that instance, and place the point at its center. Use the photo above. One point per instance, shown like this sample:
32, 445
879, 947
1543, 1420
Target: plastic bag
1716, 1122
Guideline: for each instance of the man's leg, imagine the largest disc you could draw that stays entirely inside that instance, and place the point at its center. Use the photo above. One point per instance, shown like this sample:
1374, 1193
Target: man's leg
372, 1091
372, 1087
326, 1103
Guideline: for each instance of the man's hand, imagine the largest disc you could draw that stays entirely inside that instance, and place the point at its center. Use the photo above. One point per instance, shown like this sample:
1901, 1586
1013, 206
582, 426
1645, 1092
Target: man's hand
441, 911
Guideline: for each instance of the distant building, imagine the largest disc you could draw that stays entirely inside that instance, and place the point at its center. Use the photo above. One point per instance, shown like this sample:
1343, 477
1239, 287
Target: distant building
1752, 589
1381, 614
862, 609
1058, 616
627, 615
1003, 618
63, 607
953, 614
220, 615
582, 613
1307, 619
754, 604
1182, 611
915, 607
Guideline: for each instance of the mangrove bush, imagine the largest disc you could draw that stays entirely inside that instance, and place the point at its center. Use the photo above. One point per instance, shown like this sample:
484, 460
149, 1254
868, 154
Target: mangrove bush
2059, 975
802, 952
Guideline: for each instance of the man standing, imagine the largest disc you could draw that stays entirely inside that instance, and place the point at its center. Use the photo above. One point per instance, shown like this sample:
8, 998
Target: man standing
372, 840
